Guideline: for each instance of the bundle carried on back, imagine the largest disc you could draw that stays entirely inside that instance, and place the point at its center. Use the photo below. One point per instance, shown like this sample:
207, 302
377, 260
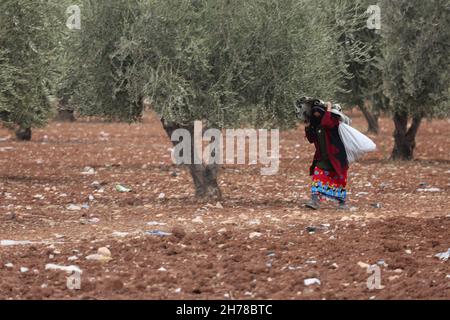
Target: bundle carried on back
356, 144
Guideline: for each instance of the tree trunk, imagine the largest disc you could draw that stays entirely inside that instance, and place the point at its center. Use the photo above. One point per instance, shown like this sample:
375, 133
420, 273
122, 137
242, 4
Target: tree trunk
65, 113
405, 139
371, 118
65, 116
23, 134
203, 176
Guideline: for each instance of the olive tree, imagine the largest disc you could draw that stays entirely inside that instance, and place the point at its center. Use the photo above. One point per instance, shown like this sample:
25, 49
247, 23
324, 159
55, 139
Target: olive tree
416, 66
27, 41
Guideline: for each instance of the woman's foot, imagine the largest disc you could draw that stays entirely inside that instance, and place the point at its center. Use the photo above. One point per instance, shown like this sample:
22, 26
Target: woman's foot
343, 206
314, 203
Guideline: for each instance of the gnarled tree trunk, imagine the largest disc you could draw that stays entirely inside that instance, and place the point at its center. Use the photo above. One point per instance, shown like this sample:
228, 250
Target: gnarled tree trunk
405, 139
65, 112
23, 134
371, 118
203, 176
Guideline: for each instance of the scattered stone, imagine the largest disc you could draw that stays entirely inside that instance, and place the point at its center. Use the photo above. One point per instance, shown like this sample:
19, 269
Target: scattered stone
8, 243
98, 257
122, 189
156, 223
158, 233
161, 196
24, 270
103, 255
9, 265
162, 269
87, 171
254, 235
90, 221
68, 269
96, 184
363, 265
198, 220
444, 256
311, 229
312, 281
120, 234
104, 251
73, 207
314, 229
72, 258
429, 190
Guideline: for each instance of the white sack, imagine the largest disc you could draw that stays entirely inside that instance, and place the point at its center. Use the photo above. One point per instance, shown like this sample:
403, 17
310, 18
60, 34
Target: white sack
356, 144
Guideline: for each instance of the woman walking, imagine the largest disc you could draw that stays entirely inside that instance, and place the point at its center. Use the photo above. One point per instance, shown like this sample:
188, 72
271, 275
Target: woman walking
330, 166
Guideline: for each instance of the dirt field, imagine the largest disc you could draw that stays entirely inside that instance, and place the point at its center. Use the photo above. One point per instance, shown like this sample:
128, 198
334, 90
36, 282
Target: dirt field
254, 244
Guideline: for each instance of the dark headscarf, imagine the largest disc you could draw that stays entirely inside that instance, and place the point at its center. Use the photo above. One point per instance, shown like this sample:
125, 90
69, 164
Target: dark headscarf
315, 121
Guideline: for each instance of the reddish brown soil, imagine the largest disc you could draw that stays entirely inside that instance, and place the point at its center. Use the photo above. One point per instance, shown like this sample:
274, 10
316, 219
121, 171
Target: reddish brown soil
215, 258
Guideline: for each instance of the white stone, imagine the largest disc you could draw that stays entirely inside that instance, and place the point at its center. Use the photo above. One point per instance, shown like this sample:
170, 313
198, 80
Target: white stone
254, 235
104, 252
198, 220
312, 281
73, 207
363, 265
68, 269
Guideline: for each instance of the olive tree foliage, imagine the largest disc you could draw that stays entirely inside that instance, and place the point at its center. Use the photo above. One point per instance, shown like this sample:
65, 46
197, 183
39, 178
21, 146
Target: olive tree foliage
226, 62
92, 79
416, 66
361, 47
28, 38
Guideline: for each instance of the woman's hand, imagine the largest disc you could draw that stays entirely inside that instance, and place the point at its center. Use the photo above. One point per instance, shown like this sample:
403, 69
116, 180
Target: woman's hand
329, 106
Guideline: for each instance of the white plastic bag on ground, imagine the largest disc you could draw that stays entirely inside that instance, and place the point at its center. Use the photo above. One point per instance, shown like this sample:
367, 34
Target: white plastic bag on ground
356, 144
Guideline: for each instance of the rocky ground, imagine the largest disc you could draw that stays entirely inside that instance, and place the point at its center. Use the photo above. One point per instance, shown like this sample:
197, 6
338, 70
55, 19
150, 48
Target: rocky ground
58, 196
